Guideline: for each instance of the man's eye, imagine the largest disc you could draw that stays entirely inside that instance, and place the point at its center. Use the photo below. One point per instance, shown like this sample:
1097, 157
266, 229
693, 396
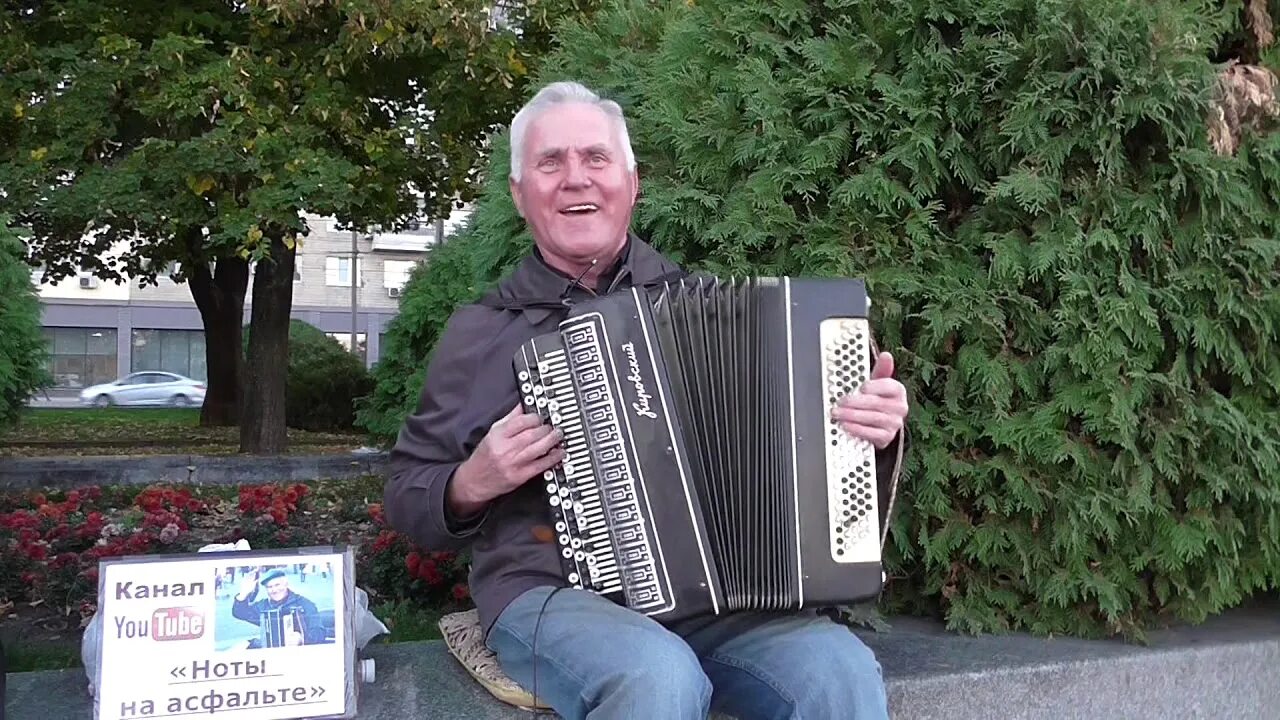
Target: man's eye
548, 164
599, 159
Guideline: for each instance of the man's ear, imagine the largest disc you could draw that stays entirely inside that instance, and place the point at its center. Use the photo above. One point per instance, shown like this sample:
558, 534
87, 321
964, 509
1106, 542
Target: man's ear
515, 195
635, 186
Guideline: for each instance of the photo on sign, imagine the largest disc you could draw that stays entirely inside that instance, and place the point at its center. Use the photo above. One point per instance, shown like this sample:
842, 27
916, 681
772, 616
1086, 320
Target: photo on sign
275, 605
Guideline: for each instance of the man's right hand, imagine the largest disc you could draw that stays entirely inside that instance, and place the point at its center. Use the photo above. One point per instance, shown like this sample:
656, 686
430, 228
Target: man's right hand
248, 585
517, 447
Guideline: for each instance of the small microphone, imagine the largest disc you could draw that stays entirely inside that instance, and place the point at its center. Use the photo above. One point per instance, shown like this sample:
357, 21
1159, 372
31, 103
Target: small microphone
564, 297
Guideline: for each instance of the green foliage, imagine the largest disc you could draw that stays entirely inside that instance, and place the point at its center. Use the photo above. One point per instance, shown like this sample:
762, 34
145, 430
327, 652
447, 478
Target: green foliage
496, 238
202, 129
434, 288
454, 273
23, 349
1082, 297
324, 380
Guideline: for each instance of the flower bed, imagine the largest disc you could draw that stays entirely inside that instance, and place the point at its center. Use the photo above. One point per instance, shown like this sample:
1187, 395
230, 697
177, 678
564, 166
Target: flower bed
51, 542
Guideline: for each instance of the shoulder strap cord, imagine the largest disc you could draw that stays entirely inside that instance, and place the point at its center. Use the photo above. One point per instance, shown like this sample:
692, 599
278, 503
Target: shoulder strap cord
897, 465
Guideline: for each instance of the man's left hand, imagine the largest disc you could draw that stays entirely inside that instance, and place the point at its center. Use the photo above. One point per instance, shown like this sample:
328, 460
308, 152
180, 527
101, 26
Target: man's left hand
876, 411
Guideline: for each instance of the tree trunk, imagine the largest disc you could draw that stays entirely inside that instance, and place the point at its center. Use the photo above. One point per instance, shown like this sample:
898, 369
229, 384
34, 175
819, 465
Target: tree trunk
220, 297
266, 372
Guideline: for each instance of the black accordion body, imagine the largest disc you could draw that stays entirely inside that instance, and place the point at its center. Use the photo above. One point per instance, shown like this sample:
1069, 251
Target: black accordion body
703, 473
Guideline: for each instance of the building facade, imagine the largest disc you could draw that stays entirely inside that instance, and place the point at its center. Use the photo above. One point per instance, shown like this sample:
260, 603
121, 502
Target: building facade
100, 330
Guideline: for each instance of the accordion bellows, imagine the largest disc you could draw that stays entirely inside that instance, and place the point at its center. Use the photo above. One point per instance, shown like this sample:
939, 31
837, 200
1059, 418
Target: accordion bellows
703, 473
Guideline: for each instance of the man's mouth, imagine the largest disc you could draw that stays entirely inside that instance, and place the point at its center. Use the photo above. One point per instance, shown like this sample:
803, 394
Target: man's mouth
580, 209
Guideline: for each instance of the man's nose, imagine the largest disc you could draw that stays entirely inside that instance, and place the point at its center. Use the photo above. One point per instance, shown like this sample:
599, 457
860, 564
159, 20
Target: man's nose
576, 174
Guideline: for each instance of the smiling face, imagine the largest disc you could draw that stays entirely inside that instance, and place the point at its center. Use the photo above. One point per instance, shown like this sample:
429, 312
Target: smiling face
277, 589
575, 190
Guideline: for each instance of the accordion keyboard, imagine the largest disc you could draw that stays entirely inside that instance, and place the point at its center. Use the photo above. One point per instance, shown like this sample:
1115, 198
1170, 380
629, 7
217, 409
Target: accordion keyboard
581, 530
598, 515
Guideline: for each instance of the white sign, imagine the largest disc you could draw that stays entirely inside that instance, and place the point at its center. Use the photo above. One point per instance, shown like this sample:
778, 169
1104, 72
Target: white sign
255, 635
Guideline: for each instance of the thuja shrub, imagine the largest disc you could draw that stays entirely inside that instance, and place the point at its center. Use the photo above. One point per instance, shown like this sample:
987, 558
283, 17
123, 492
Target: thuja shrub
22, 346
1080, 293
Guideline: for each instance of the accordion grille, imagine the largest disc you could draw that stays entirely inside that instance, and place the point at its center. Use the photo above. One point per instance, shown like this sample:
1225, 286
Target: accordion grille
851, 484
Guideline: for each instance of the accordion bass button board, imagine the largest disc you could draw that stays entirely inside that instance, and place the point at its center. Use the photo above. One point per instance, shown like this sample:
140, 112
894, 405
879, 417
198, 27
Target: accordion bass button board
703, 472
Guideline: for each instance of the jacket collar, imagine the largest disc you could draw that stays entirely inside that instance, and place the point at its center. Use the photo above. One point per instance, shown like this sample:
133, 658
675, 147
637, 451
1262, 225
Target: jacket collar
533, 280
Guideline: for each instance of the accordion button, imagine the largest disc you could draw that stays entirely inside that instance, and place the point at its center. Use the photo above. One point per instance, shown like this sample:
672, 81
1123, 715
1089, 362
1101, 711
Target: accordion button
524, 375
573, 578
561, 526
551, 488
555, 501
567, 553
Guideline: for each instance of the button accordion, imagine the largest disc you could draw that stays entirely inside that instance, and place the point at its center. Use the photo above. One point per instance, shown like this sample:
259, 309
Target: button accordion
702, 470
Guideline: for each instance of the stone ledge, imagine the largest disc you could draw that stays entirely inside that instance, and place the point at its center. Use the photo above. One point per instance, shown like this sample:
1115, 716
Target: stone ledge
70, 472
1228, 667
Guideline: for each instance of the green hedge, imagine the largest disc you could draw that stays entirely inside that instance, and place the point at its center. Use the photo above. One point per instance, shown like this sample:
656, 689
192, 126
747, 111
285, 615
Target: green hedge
1081, 295
23, 351
325, 381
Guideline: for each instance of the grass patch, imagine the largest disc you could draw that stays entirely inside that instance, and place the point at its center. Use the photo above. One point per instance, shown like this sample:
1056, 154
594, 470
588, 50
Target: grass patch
407, 621
45, 432
27, 657
46, 418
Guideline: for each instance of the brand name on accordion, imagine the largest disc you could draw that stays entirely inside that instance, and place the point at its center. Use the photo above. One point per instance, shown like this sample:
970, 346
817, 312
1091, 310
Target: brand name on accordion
641, 405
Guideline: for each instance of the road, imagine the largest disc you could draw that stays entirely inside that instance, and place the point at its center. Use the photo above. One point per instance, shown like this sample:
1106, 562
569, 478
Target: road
55, 400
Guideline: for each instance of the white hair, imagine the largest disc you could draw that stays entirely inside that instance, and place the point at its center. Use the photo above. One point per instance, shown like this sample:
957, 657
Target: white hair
560, 93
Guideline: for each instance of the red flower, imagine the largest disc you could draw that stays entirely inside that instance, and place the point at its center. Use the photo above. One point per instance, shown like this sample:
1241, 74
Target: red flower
461, 591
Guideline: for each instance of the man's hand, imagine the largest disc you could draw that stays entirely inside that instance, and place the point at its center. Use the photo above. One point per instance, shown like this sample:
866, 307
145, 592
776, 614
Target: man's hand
876, 411
518, 447
248, 586
292, 635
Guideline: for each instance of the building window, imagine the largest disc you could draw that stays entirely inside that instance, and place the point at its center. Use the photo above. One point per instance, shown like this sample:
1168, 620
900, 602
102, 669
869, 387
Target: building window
337, 271
395, 273
175, 351
81, 357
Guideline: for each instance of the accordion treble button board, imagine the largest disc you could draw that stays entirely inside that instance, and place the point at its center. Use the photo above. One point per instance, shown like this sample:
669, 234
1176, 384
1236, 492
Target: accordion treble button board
851, 483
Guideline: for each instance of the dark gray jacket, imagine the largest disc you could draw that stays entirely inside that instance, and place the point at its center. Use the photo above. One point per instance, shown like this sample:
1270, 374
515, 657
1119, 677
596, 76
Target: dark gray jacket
469, 385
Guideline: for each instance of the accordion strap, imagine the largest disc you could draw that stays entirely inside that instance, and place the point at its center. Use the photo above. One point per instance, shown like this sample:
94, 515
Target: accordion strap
897, 467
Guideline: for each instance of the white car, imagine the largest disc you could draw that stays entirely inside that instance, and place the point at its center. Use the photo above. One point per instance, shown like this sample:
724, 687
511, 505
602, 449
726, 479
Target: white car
146, 388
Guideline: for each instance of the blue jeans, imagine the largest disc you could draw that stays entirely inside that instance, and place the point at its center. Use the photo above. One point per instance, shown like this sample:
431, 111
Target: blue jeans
595, 659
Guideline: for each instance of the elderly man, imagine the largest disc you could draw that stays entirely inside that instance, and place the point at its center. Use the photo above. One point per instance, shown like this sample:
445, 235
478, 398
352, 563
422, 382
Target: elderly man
461, 467
300, 620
